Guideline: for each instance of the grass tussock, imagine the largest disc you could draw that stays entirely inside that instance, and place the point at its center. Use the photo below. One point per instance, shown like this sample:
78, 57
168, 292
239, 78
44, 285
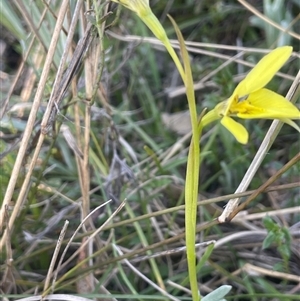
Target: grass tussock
95, 134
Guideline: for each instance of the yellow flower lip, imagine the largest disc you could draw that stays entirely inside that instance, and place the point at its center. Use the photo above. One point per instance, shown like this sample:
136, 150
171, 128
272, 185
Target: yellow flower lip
250, 100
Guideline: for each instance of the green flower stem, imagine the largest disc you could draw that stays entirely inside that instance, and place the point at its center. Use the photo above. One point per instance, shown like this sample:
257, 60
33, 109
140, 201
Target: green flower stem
144, 12
192, 171
155, 26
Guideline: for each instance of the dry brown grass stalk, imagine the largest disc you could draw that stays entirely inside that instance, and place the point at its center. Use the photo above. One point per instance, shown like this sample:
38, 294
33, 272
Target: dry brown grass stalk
28, 132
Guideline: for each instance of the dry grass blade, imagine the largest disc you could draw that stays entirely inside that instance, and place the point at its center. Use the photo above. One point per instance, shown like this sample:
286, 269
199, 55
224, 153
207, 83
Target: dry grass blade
55, 254
72, 238
23, 10
55, 297
70, 139
261, 215
172, 251
137, 272
28, 131
279, 173
249, 268
63, 80
16, 79
91, 237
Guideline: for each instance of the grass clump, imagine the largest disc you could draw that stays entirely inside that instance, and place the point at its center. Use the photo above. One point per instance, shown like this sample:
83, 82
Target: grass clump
93, 201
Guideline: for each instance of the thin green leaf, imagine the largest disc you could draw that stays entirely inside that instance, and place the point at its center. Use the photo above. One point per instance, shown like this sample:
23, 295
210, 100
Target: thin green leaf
192, 174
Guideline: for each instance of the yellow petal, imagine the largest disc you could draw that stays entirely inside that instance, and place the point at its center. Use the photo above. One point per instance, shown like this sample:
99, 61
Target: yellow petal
269, 105
291, 123
236, 129
264, 71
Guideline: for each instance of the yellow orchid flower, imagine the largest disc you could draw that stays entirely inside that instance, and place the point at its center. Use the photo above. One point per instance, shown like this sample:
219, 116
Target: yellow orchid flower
144, 12
250, 100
